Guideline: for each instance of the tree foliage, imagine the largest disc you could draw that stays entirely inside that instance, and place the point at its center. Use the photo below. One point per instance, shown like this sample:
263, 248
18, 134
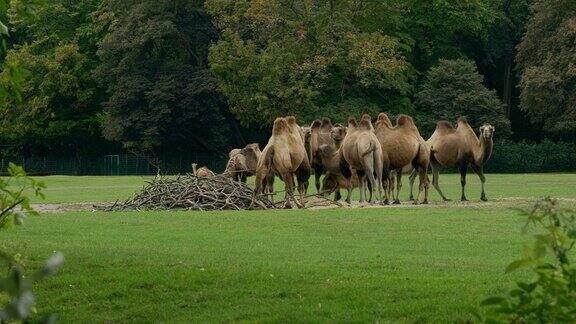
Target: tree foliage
305, 58
547, 62
454, 88
161, 92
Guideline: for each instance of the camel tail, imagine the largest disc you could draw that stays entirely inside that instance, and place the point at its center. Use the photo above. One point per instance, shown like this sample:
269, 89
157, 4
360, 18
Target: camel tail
415, 159
371, 149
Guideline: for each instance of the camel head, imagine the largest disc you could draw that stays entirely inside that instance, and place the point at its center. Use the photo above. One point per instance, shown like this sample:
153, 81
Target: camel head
487, 131
252, 153
338, 132
326, 151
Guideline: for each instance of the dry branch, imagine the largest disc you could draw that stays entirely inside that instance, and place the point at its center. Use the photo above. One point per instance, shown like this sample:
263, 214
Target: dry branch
189, 192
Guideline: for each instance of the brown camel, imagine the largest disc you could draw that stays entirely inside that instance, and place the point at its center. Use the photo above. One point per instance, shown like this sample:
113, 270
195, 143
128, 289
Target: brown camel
361, 152
320, 134
460, 147
286, 156
402, 145
242, 162
202, 172
338, 132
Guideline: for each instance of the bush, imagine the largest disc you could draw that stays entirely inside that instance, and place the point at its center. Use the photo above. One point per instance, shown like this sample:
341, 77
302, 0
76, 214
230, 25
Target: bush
551, 297
547, 156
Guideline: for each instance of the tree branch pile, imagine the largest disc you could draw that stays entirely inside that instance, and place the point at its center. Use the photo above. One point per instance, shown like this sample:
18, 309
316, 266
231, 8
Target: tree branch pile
189, 192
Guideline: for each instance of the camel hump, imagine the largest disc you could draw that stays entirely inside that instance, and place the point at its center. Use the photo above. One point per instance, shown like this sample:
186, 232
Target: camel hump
352, 122
366, 122
444, 126
291, 120
280, 125
315, 124
326, 123
404, 120
383, 119
462, 120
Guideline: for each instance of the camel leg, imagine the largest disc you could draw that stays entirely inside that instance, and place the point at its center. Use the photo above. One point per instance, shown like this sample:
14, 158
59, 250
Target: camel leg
337, 195
435, 176
463, 170
317, 174
398, 186
479, 170
386, 184
289, 189
349, 188
361, 179
411, 182
302, 175
371, 184
423, 186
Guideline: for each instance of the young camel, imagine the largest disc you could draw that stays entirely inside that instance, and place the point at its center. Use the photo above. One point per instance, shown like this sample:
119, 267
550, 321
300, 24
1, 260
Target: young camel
460, 147
286, 156
402, 146
361, 152
242, 162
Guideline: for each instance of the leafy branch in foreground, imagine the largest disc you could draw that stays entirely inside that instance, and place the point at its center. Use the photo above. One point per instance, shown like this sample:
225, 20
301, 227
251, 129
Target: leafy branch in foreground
14, 206
551, 296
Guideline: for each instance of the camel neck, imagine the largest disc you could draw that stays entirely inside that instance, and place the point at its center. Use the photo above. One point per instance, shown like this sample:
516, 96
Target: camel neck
485, 147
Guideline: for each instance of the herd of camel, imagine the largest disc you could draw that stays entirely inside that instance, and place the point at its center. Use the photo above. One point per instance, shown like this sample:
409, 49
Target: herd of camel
369, 157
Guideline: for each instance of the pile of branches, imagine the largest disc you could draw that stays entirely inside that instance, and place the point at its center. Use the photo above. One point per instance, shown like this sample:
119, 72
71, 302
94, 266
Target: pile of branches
190, 192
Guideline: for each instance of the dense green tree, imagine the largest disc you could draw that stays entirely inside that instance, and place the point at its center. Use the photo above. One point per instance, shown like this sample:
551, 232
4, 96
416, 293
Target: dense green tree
59, 102
454, 88
547, 62
305, 58
161, 91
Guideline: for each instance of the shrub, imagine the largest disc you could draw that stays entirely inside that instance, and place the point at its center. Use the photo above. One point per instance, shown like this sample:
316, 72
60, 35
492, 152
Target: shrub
551, 296
547, 156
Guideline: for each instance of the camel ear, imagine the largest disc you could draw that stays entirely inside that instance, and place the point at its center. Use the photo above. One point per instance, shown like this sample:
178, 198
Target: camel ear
482, 129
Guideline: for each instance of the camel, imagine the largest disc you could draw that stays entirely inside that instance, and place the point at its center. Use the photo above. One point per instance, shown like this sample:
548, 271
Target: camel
338, 132
242, 162
334, 182
202, 172
320, 134
286, 156
461, 148
402, 145
361, 152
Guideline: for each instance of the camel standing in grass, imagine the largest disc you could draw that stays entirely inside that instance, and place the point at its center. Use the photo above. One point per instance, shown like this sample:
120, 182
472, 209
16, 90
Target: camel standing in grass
361, 152
403, 146
284, 155
460, 147
320, 134
242, 162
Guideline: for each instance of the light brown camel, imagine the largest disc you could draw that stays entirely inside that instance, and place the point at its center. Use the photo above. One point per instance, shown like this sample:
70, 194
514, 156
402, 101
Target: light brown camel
202, 172
320, 134
285, 155
402, 145
361, 152
460, 147
242, 162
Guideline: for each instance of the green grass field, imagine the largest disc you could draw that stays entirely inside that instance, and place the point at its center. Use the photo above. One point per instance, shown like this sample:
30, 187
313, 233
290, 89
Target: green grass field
348, 265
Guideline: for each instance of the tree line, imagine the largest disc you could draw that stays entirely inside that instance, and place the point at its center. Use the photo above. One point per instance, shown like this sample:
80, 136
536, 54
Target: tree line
91, 76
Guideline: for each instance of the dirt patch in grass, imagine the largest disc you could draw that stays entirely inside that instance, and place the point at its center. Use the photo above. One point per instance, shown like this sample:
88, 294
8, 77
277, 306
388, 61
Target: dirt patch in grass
319, 204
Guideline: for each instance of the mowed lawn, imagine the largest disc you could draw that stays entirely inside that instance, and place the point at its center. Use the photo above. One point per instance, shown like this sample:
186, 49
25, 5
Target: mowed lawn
349, 265
70, 189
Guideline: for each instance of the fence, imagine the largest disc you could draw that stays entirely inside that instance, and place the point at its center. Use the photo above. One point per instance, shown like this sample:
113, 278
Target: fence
508, 157
117, 164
